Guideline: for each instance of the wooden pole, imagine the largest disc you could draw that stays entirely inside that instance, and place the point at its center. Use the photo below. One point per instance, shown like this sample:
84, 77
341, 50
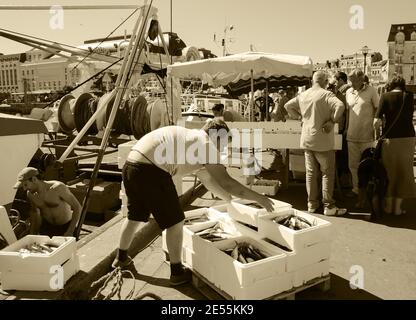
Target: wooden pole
252, 95
267, 100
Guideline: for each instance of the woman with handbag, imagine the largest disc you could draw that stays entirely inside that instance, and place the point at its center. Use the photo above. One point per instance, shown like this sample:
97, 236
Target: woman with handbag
396, 107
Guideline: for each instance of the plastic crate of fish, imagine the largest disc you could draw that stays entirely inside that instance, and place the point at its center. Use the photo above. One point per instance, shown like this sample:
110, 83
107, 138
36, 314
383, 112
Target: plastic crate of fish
295, 260
269, 187
40, 281
249, 211
36, 254
295, 229
243, 274
195, 236
310, 272
237, 256
195, 218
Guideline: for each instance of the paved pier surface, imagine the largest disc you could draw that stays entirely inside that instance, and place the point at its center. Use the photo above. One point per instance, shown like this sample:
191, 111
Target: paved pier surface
385, 250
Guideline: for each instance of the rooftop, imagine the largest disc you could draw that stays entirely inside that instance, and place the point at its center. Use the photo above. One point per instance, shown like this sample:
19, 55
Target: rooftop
407, 29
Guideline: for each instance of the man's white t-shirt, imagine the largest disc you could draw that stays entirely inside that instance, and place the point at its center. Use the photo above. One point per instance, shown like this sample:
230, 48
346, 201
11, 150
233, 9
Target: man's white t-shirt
178, 150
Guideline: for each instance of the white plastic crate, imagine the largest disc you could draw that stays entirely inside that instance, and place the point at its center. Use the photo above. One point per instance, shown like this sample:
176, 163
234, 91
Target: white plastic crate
13, 261
189, 229
197, 261
295, 260
43, 281
256, 280
198, 244
249, 273
295, 240
311, 255
268, 187
308, 273
249, 211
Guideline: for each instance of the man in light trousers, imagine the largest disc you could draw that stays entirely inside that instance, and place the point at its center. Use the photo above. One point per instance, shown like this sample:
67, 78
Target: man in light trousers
362, 103
320, 109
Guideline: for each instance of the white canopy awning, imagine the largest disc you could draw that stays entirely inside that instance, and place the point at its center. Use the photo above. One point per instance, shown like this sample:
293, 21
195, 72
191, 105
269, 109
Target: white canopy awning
231, 69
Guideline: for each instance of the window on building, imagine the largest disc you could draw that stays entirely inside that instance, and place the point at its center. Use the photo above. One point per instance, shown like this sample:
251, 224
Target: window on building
7, 77
413, 36
33, 72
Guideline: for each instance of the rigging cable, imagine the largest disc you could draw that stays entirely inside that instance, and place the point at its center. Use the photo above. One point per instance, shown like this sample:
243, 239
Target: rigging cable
114, 30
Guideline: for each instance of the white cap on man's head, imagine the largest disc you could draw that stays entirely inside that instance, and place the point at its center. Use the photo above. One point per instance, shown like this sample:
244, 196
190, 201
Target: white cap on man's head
24, 175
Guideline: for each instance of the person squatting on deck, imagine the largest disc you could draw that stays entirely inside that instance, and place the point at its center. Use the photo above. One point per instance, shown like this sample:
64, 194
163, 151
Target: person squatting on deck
147, 177
320, 109
54, 209
398, 147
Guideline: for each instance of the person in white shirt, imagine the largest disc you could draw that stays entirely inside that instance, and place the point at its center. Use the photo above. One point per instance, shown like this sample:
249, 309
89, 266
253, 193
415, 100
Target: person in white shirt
319, 110
147, 177
362, 103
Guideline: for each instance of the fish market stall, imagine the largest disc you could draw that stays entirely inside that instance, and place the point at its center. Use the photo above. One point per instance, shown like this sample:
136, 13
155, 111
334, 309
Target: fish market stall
243, 73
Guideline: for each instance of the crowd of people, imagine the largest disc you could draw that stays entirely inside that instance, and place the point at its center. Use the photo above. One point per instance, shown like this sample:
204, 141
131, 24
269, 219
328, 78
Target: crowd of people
364, 119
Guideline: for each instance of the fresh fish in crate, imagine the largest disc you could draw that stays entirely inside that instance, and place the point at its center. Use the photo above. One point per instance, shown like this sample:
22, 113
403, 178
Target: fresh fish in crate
38, 248
245, 253
197, 219
214, 233
294, 222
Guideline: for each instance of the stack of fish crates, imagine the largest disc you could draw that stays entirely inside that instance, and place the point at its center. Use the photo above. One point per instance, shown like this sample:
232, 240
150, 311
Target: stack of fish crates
38, 263
310, 247
290, 259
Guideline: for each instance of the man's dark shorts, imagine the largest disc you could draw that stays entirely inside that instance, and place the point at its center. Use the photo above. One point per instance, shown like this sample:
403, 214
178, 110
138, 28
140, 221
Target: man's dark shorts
51, 230
150, 190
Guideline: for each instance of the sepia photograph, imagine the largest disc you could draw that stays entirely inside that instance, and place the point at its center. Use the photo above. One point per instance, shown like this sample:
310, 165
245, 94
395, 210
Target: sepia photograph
198, 152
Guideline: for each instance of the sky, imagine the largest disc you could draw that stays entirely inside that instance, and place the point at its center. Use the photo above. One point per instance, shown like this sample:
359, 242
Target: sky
319, 29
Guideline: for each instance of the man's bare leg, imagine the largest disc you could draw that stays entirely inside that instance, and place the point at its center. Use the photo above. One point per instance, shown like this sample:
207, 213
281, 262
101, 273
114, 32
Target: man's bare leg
128, 231
174, 238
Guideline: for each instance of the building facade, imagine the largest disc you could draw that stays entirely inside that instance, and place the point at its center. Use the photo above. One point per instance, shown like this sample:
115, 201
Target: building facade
402, 51
10, 72
42, 73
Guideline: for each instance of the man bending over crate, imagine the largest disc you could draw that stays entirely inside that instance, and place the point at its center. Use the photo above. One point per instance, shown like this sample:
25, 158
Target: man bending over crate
147, 177
54, 209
